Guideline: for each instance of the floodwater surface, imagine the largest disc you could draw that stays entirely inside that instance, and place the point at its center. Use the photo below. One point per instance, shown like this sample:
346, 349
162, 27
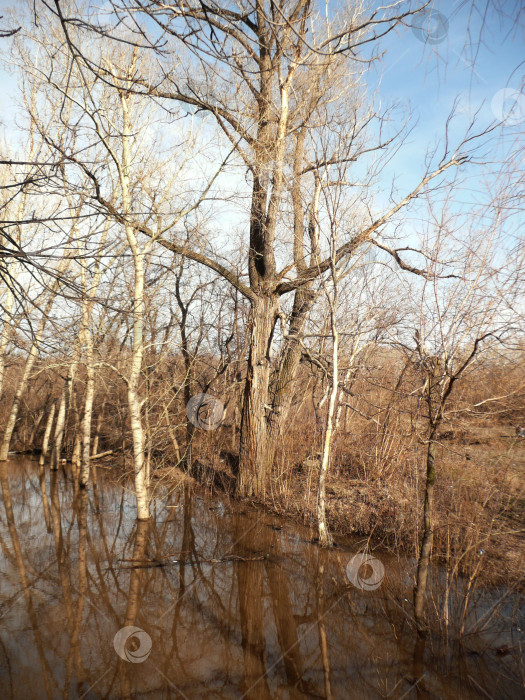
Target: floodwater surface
207, 600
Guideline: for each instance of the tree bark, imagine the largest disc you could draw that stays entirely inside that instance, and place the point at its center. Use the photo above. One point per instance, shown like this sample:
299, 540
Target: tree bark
426, 543
47, 433
63, 410
15, 406
88, 413
4, 338
253, 463
325, 538
137, 354
287, 373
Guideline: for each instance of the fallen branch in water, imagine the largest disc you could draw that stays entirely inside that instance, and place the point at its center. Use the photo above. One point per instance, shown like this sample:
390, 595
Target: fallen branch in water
149, 563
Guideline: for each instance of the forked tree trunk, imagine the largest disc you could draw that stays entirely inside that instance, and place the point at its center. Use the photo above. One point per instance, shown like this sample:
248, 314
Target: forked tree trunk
36, 426
253, 463
63, 411
287, 373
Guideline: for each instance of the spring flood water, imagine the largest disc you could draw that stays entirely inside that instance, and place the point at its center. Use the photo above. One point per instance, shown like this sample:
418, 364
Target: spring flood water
207, 600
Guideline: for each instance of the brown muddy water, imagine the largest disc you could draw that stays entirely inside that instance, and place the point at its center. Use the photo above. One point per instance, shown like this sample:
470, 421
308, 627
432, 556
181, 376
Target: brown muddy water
218, 601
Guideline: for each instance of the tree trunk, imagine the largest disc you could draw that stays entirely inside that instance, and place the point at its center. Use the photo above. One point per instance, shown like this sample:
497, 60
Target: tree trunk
325, 538
47, 434
34, 429
4, 338
96, 439
86, 418
134, 401
428, 536
253, 463
63, 411
76, 457
15, 406
137, 354
289, 366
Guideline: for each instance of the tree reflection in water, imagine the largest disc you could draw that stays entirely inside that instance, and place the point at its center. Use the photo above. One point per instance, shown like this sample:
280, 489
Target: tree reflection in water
236, 605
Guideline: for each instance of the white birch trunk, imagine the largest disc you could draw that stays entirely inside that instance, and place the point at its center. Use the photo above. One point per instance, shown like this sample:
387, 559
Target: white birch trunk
60, 425
4, 338
325, 538
47, 433
13, 413
63, 410
134, 400
30, 361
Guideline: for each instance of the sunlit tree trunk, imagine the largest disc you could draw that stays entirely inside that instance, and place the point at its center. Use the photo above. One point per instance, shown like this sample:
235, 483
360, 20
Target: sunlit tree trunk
137, 353
98, 428
87, 343
30, 361
6, 334
15, 406
87, 417
47, 433
253, 464
324, 535
63, 411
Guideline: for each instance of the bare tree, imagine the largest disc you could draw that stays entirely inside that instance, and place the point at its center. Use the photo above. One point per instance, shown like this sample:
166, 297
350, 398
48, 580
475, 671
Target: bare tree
296, 112
456, 320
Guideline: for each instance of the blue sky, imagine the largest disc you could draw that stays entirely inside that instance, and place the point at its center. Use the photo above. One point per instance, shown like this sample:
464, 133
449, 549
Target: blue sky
430, 76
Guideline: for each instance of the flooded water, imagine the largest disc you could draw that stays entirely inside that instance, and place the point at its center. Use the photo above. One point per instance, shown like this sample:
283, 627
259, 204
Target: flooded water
204, 601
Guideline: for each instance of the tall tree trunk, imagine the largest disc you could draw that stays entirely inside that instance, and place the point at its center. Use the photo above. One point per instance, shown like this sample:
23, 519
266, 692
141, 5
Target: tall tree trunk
428, 536
325, 538
137, 354
188, 367
134, 400
87, 341
253, 465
